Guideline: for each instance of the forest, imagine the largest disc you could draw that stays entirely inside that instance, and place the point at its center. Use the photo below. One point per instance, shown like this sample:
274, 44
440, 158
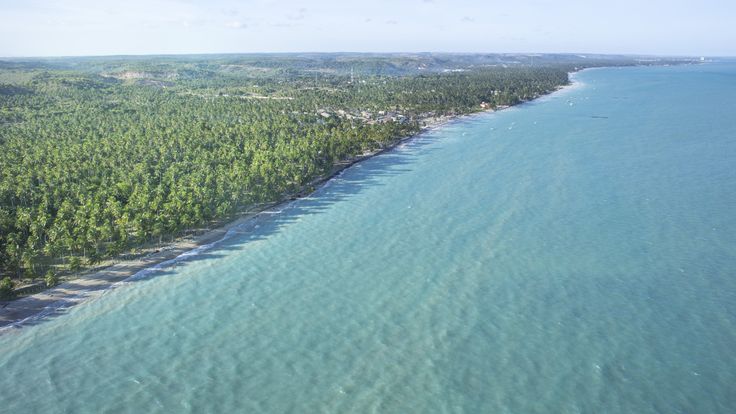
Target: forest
101, 155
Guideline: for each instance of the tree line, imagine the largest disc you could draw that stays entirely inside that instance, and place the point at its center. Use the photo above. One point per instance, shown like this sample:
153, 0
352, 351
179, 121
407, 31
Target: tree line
92, 165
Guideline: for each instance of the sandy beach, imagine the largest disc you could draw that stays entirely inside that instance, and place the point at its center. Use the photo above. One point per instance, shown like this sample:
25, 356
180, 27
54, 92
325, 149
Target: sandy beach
33, 308
30, 309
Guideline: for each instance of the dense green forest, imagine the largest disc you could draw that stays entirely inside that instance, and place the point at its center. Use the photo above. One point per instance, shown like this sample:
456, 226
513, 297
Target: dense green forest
99, 155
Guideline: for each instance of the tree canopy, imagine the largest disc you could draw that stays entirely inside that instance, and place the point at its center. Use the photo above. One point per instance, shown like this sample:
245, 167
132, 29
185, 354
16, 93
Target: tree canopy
99, 155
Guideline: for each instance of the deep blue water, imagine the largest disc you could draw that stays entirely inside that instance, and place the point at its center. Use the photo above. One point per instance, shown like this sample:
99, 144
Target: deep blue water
576, 254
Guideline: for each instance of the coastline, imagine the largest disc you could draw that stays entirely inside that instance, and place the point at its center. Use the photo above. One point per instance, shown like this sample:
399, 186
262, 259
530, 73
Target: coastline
33, 308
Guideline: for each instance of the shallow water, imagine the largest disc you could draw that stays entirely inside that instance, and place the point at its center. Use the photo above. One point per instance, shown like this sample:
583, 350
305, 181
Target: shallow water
576, 255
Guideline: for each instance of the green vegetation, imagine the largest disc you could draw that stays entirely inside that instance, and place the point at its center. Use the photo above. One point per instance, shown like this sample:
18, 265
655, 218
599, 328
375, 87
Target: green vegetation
98, 155
50, 279
6, 288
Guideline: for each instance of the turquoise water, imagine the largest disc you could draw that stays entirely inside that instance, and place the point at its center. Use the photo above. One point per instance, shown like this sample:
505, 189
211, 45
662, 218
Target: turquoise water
573, 255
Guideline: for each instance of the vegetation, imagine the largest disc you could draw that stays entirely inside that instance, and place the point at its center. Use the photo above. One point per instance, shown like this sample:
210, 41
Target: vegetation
98, 155
50, 279
6, 288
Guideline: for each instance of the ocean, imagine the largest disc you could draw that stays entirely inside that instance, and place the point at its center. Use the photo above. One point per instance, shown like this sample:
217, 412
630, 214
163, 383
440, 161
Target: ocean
574, 254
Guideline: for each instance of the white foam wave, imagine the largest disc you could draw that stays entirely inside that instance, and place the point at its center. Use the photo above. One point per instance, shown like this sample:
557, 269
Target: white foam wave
59, 305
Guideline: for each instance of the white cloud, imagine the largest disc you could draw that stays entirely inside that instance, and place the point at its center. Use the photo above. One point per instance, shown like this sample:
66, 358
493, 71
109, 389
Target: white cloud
234, 24
299, 15
62, 27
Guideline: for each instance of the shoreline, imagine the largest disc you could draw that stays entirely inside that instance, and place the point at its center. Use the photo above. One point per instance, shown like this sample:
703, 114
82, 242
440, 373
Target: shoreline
36, 307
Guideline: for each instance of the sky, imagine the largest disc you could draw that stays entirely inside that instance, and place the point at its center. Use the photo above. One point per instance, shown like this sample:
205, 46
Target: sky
136, 27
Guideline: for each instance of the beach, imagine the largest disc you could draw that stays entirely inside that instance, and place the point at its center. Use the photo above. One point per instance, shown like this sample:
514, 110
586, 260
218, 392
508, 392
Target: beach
29, 309
552, 253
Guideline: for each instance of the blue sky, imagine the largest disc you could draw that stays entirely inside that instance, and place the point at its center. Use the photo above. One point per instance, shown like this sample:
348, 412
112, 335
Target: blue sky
99, 27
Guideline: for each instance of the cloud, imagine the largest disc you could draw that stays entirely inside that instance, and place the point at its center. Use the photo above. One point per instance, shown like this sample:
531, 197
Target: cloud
299, 15
230, 12
192, 23
235, 24
467, 19
391, 22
